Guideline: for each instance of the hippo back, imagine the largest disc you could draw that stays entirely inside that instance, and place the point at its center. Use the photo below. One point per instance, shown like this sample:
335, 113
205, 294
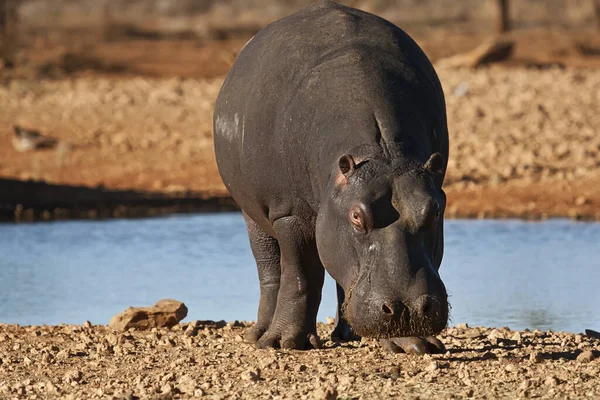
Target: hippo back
312, 86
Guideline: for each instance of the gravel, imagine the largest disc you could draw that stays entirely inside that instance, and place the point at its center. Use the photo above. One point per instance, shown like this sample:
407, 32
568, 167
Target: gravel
94, 362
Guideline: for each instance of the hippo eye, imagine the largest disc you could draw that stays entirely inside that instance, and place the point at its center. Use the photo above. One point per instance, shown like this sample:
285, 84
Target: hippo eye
357, 217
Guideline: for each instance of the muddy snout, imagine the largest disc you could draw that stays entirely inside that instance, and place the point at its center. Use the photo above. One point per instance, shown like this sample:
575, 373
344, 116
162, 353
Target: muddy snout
380, 316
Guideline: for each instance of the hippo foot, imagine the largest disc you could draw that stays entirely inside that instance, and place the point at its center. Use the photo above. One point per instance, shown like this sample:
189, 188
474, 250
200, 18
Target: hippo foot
299, 341
343, 332
254, 334
414, 345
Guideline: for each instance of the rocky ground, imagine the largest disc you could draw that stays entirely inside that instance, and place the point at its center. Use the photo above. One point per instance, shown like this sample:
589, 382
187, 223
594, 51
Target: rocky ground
208, 359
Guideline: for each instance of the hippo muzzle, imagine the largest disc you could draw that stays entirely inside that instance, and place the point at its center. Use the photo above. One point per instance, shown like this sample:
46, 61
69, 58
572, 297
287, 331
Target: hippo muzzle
373, 315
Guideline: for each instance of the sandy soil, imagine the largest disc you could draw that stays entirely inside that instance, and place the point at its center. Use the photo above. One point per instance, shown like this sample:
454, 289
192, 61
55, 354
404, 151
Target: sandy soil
201, 360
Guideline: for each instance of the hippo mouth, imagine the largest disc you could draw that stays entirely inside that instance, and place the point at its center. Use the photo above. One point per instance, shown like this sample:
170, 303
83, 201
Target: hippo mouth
397, 320
406, 323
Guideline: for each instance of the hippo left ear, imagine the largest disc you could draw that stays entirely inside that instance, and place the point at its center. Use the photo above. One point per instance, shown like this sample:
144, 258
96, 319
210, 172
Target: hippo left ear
435, 164
347, 165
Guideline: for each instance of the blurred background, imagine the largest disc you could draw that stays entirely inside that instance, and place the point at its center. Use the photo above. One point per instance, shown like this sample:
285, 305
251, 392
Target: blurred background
106, 111
121, 93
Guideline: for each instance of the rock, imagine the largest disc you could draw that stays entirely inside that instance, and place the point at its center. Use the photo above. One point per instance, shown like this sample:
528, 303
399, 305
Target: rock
166, 389
300, 368
29, 139
63, 355
187, 384
88, 324
325, 393
551, 381
73, 376
252, 375
535, 357
165, 313
461, 89
495, 334
516, 337
330, 321
586, 356
432, 367
510, 368
462, 326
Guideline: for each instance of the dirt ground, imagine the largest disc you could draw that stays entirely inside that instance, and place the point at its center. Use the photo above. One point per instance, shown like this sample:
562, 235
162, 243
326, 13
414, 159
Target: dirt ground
135, 113
210, 360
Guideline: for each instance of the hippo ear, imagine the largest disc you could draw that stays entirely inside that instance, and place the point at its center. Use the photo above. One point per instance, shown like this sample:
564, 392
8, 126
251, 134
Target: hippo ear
435, 164
347, 165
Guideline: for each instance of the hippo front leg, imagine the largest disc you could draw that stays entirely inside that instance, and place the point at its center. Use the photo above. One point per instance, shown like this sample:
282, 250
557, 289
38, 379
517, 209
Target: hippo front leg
294, 323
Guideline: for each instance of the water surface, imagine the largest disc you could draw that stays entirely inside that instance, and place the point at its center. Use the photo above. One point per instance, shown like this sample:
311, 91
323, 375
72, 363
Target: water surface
498, 273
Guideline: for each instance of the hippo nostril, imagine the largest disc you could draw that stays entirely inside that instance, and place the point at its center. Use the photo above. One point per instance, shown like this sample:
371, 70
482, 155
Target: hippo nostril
387, 309
427, 307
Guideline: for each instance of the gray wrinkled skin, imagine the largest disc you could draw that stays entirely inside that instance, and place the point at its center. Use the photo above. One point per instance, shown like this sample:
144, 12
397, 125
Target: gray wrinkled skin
330, 133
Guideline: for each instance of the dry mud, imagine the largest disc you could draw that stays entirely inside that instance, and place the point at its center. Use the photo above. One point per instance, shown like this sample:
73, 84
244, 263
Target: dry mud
210, 360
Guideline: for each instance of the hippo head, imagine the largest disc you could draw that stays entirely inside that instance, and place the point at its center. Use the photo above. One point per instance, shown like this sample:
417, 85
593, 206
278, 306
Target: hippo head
379, 235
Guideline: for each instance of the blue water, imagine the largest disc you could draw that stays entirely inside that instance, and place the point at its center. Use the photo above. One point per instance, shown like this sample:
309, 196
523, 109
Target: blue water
541, 275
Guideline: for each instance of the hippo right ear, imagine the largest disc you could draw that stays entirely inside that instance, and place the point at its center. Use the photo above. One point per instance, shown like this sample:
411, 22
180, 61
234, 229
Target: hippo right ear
435, 164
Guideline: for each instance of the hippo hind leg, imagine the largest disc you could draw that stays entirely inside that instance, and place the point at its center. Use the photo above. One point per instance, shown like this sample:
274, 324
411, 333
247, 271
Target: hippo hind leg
342, 331
266, 253
294, 323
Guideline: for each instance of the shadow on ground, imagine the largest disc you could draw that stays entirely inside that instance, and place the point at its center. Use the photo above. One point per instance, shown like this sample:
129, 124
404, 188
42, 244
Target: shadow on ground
33, 201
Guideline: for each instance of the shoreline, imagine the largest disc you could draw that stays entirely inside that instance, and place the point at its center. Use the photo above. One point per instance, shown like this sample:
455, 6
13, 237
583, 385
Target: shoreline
34, 201
205, 359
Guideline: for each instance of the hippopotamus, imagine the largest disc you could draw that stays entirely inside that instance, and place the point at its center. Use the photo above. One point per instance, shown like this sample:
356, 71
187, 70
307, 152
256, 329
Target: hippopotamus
330, 134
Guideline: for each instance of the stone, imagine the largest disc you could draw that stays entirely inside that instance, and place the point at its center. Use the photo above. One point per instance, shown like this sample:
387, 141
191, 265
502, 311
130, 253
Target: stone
586, 356
300, 368
187, 384
252, 375
325, 393
551, 381
535, 357
73, 376
164, 314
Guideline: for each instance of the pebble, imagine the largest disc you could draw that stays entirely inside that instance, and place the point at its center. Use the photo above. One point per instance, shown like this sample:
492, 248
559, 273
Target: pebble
586, 356
300, 368
535, 357
325, 393
252, 374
